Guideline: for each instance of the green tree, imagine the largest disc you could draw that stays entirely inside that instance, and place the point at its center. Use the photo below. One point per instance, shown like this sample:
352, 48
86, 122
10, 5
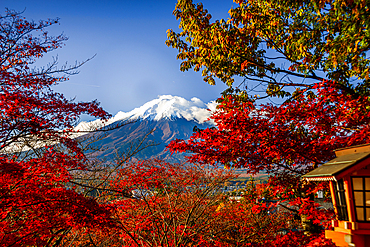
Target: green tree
276, 45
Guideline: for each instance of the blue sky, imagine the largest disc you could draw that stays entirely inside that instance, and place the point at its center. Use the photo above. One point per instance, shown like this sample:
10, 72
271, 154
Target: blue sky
132, 64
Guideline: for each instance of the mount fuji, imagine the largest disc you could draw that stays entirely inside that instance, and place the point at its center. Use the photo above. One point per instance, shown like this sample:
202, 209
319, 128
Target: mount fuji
165, 119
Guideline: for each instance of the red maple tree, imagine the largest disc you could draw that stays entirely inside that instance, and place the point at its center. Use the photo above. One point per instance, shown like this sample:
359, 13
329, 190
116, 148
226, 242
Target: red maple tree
38, 205
169, 204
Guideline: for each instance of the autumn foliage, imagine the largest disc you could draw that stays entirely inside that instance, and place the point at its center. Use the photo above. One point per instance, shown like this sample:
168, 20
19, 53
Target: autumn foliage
303, 92
167, 204
45, 199
312, 126
298, 77
36, 205
172, 204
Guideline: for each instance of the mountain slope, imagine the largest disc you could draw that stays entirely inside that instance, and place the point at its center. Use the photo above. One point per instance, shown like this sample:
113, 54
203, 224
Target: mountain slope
169, 117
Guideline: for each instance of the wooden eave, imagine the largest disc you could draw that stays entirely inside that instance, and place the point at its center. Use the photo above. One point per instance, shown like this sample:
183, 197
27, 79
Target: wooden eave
339, 167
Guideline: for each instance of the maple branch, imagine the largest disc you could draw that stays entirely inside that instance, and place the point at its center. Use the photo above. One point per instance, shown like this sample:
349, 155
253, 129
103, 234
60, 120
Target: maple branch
120, 192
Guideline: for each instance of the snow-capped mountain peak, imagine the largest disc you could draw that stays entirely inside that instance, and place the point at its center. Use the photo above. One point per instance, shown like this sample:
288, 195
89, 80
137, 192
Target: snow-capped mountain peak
164, 107
170, 107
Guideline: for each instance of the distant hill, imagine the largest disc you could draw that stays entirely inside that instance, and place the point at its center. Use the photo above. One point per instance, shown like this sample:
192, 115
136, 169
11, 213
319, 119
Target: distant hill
170, 117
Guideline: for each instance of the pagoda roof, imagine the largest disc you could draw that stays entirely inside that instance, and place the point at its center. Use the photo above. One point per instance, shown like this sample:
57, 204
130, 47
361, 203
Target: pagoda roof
347, 159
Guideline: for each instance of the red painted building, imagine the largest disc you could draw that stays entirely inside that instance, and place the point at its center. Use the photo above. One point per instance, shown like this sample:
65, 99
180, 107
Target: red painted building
349, 177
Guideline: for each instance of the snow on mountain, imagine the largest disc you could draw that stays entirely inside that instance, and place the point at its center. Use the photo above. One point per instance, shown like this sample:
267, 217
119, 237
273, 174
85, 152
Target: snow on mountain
165, 107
